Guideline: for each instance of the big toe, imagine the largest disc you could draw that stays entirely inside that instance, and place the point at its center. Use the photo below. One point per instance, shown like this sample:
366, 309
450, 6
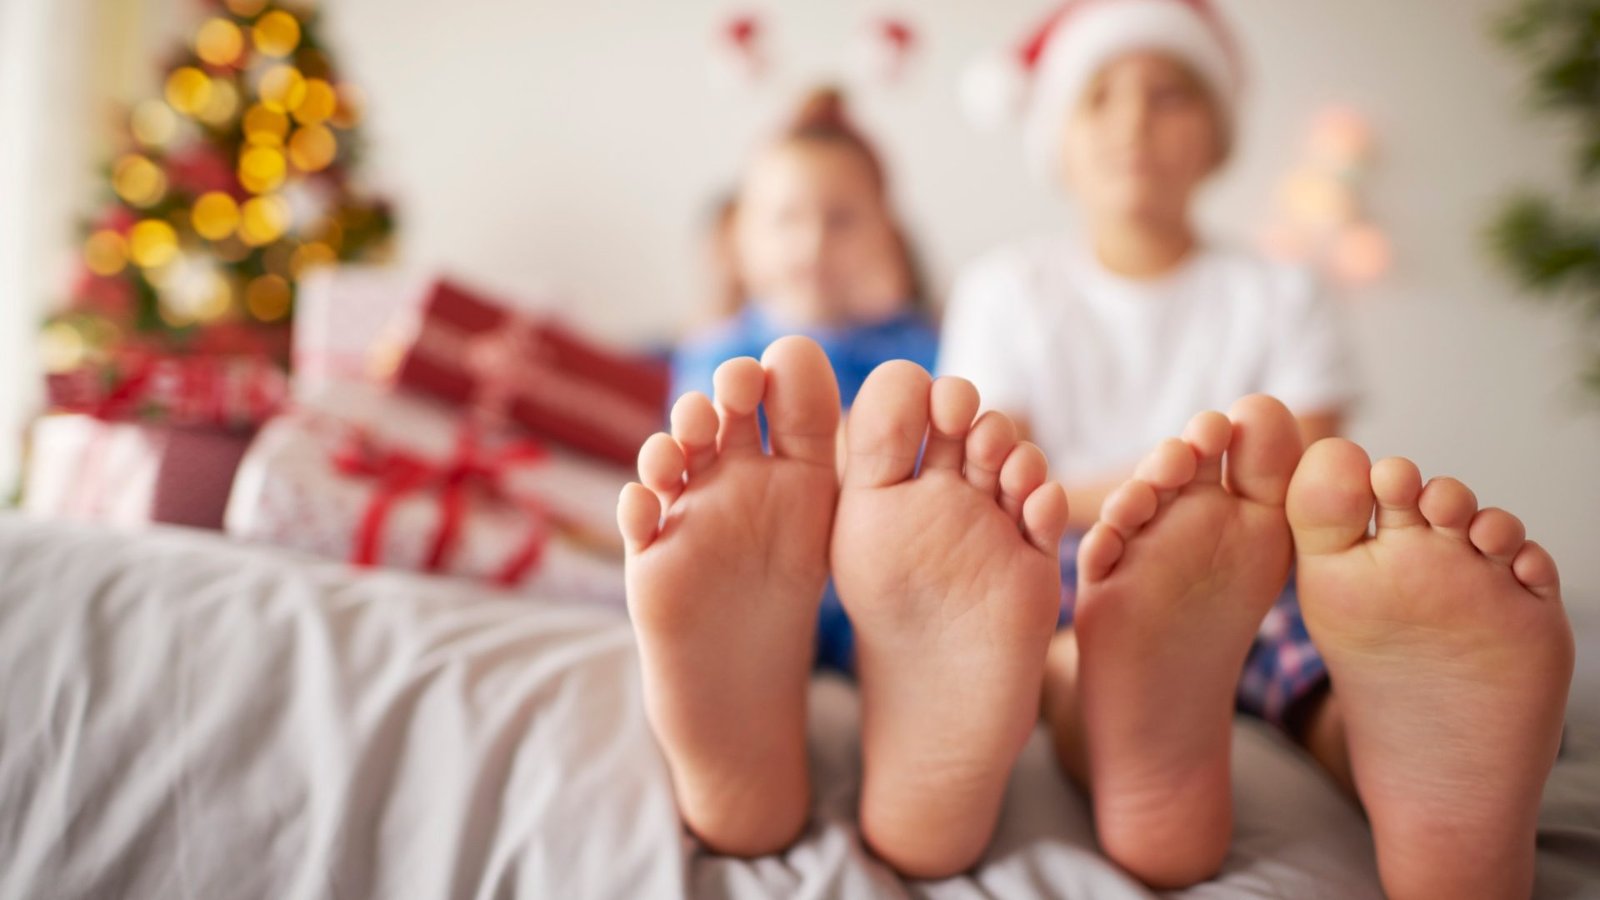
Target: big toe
1330, 497
1264, 450
802, 400
887, 424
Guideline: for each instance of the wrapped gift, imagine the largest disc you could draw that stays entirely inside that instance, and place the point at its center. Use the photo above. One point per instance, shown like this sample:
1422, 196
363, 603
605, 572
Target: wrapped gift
130, 473
234, 391
351, 325
475, 352
380, 478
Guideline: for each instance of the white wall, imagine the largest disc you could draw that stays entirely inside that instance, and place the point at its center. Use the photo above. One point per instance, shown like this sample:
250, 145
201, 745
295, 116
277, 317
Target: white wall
573, 144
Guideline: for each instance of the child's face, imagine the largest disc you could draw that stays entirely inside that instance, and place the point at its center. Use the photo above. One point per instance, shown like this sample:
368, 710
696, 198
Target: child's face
815, 241
1142, 138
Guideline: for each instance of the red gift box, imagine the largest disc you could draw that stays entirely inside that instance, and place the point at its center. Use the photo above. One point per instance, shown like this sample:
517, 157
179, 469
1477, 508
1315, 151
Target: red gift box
476, 352
200, 391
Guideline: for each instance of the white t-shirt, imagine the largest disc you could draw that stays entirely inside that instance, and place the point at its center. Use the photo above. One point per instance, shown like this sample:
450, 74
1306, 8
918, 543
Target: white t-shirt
1103, 367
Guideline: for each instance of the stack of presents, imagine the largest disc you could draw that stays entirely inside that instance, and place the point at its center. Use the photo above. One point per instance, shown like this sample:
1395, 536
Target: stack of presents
423, 425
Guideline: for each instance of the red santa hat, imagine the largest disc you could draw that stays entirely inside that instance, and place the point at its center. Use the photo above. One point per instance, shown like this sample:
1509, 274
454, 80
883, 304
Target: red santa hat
1040, 79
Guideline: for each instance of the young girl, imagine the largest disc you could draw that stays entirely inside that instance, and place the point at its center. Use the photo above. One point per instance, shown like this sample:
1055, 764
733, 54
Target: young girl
818, 252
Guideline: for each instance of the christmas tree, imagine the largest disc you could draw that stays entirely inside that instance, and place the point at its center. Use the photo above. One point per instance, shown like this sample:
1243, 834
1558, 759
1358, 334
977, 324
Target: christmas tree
226, 190
1553, 244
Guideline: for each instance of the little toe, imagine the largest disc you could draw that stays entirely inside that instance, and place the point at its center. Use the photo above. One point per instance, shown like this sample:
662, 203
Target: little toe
1170, 466
740, 384
952, 404
1099, 553
1330, 497
1024, 470
1208, 434
1130, 506
887, 425
638, 516
1536, 569
1044, 517
1448, 505
1264, 450
1497, 534
801, 401
1397, 486
661, 467
694, 427
991, 438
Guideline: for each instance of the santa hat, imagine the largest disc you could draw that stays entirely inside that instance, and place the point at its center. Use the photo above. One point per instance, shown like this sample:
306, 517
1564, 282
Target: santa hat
1041, 78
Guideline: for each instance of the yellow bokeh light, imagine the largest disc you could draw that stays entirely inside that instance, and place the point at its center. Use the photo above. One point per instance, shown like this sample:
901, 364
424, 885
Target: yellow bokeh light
215, 301
138, 180
61, 347
276, 34
267, 297
153, 123
352, 105
261, 169
105, 252
188, 89
265, 126
222, 105
215, 215
319, 103
311, 256
282, 88
246, 9
152, 243
263, 220
219, 42
312, 148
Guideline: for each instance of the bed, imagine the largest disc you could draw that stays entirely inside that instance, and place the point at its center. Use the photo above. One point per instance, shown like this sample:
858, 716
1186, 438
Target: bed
189, 717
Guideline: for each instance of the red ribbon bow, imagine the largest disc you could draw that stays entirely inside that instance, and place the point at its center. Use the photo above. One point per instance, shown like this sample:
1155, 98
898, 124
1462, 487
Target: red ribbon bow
400, 472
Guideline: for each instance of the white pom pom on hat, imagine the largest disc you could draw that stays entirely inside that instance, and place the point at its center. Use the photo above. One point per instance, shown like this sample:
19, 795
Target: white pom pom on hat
1040, 79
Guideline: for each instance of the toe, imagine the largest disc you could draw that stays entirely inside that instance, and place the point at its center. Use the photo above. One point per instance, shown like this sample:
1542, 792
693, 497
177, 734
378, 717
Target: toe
1448, 505
1497, 534
1330, 497
1130, 506
1044, 517
1264, 450
801, 401
1397, 485
1098, 554
1024, 470
638, 516
1536, 569
694, 427
661, 467
952, 404
887, 424
740, 384
990, 440
1208, 435
1170, 466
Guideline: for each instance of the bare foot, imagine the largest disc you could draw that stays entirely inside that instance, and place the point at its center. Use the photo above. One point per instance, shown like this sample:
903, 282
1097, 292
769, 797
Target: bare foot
724, 590
1450, 654
951, 580
1173, 584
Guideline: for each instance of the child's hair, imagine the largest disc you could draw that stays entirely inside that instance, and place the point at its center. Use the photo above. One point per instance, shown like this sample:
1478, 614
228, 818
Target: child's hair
822, 119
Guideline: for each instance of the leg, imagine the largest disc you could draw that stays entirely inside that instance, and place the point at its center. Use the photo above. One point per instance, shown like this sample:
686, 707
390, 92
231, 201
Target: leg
723, 591
1450, 653
952, 581
1173, 585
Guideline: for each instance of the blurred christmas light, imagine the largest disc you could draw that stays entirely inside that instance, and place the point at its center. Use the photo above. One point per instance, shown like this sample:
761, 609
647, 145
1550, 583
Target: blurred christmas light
1318, 199
138, 180
319, 103
1340, 138
282, 88
312, 148
265, 126
276, 34
311, 256
352, 106
261, 169
215, 215
263, 220
246, 9
222, 104
219, 42
61, 347
188, 89
1361, 255
276, 258
152, 243
267, 297
105, 253
153, 123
